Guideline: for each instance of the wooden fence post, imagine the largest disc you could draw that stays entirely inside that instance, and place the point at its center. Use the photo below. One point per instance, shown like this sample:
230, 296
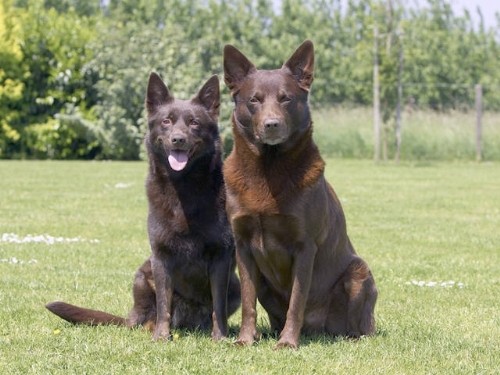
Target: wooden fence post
479, 126
376, 97
400, 97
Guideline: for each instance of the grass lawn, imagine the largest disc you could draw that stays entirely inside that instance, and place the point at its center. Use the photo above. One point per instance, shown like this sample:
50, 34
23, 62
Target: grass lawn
426, 135
430, 232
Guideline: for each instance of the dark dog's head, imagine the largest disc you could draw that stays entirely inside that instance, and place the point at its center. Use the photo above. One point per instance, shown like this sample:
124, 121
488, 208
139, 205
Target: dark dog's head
271, 105
182, 131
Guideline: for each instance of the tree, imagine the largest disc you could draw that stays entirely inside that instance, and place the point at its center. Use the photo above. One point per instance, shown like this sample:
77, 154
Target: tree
76, 89
121, 74
50, 75
11, 87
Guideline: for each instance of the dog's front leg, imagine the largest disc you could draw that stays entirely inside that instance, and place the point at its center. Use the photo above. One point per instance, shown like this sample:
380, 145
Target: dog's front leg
248, 278
219, 283
164, 294
302, 274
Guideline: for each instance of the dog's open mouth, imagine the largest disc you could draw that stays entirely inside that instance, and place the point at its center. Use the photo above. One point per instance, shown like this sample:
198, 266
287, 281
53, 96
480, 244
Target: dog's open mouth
178, 159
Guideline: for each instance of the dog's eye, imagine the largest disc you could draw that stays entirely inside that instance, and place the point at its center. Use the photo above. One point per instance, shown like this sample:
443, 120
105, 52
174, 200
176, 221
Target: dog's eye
254, 100
284, 99
194, 122
166, 122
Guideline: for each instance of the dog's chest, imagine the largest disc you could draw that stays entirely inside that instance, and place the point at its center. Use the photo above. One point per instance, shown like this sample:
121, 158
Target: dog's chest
273, 241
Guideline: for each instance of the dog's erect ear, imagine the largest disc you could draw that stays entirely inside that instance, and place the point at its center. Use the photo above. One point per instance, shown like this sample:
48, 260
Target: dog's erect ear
236, 67
157, 93
301, 65
209, 96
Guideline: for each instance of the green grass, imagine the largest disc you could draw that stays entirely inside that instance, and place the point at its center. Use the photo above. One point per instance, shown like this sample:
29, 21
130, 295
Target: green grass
426, 135
411, 222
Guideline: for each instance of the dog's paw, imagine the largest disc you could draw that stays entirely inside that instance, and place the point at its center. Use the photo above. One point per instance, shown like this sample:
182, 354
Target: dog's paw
162, 336
247, 339
243, 342
288, 340
283, 344
354, 335
218, 335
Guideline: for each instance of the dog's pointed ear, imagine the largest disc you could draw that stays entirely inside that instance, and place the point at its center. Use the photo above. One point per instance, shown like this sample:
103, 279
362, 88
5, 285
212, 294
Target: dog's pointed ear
301, 65
157, 93
236, 68
209, 96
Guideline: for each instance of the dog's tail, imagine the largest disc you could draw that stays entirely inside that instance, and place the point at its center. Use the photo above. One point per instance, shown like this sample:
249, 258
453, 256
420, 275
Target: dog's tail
81, 315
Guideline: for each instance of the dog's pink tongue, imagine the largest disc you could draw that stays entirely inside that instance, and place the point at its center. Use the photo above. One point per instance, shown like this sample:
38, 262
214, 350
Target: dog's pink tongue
178, 159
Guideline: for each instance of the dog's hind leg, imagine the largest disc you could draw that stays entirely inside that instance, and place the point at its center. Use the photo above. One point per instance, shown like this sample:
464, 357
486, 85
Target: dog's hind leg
275, 306
220, 276
144, 309
336, 321
361, 293
367, 323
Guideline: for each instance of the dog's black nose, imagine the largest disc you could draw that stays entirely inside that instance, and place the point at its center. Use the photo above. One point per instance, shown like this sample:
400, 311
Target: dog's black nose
271, 123
178, 139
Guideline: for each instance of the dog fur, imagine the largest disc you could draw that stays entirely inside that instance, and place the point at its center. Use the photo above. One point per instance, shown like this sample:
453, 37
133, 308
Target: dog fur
189, 281
292, 248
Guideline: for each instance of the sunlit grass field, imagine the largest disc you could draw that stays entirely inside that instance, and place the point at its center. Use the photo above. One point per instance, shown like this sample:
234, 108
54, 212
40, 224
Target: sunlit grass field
429, 230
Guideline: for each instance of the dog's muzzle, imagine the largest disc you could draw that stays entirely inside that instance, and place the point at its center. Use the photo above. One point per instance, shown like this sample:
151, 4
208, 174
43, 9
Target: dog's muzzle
273, 131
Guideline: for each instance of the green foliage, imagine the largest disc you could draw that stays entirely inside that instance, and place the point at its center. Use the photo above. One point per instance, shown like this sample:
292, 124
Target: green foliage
11, 87
412, 223
95, 58
121, 76
48, 75
65, 136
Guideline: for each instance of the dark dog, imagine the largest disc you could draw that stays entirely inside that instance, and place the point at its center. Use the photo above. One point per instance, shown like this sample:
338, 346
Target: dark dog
190, 279
292, 249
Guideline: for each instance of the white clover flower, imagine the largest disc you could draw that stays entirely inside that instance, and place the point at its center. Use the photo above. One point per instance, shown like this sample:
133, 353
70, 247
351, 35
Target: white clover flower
14, 260
41, 238
433, 284
122, 185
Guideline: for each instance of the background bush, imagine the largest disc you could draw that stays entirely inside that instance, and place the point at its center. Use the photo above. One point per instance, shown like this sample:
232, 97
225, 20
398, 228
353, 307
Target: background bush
73, 73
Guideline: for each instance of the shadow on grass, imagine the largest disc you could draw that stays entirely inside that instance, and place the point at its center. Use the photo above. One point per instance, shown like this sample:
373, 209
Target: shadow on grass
322, 338
326, 339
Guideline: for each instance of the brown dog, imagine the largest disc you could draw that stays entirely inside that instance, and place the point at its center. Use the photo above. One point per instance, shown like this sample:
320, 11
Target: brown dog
189, 280
292, 249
